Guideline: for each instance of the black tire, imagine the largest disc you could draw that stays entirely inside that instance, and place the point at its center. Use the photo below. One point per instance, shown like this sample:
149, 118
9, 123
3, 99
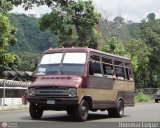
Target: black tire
117, 112
71, 113
81, 111
120, 109
111, 112
35, 111
156, 100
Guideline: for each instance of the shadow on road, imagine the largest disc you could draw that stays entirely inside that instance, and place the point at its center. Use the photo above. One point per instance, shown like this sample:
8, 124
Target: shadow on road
66, 118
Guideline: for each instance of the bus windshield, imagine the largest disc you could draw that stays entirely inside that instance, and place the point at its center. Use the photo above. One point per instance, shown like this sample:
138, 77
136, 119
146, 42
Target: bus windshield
72, 63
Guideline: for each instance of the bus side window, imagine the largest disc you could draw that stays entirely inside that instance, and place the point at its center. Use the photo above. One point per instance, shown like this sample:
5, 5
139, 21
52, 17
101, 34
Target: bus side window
108, 70
120, 73
95, 66
97, 69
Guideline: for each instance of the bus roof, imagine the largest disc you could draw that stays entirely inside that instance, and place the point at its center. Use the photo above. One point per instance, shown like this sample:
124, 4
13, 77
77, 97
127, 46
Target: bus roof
82, 49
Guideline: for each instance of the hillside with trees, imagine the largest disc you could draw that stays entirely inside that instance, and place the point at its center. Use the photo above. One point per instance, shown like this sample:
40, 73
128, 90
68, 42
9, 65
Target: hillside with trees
29, 37
30, 41
75, 23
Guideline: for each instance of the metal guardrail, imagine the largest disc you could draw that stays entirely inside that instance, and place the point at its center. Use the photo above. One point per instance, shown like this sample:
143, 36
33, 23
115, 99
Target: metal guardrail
17, 73
12, 83
147, 91
4, 83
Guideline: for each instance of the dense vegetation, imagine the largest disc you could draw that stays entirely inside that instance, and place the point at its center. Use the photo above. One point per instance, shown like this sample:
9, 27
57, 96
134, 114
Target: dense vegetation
29, 37
8, 60
74, 23
30, 41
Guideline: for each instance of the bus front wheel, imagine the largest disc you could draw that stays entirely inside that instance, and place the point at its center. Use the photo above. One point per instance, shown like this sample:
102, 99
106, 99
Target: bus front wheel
35, 111
81, 111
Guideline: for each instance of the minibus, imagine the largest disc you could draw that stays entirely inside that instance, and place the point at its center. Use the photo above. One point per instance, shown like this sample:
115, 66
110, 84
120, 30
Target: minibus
79, 80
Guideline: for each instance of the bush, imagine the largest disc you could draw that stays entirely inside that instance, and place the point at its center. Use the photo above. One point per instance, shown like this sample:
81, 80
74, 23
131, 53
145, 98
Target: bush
142, 97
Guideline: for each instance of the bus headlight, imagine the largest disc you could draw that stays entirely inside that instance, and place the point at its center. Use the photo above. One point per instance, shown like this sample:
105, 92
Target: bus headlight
72, 92
31, 92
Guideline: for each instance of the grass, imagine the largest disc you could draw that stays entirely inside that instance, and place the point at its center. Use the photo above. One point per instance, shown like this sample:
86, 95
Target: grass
143, 98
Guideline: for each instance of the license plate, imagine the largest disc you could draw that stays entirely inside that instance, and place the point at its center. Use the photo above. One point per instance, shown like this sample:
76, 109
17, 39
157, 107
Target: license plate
50, 101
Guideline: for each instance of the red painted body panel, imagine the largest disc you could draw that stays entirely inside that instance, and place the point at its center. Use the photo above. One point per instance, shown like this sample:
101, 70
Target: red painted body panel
57, 81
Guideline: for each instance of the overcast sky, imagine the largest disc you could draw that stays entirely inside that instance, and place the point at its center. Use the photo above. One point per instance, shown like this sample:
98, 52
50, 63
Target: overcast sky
135, 10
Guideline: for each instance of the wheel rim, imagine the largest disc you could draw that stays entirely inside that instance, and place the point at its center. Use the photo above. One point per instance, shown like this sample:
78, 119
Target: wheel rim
121, 112
84, 111
121, 109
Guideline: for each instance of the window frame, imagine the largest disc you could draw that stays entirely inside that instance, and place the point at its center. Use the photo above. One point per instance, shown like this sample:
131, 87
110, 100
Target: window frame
125, 64
91, 59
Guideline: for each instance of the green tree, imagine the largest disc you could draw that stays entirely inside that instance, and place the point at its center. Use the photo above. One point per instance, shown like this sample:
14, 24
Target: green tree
29, 37
151, 36
7, 38
114, 46
134, 30
7, 33
28, 61
118, 21
51, 3
74, 23
151, 16
139, 53
5, 6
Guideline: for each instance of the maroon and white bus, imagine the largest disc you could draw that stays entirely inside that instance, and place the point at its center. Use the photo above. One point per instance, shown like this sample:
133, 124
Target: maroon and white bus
79, 80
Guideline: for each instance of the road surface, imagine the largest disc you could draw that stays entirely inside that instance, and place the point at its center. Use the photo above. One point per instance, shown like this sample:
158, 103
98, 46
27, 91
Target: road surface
139, 113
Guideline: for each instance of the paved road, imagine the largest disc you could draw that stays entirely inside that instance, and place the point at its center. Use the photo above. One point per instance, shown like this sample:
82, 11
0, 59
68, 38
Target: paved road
139, 113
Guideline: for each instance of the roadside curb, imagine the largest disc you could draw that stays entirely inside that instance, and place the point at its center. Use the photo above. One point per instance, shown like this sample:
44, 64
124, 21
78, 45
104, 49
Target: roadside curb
16, 107
150, 102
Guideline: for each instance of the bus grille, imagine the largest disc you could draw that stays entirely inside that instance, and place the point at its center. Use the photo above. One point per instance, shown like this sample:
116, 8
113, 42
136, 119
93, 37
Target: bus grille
52, 92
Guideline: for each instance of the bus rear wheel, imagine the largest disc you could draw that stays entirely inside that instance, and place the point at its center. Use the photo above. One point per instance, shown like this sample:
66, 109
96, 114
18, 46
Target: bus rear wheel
81, 111
35, 111
117, 112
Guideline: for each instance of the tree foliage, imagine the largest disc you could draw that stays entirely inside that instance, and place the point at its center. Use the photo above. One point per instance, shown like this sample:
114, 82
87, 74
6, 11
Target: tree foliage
28, 61
29, 37
74, 23
7, 32
30, 41
139, 55
7, 39
151, 36
137, 51
151, 16
114, 46
118, 20
5, 6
